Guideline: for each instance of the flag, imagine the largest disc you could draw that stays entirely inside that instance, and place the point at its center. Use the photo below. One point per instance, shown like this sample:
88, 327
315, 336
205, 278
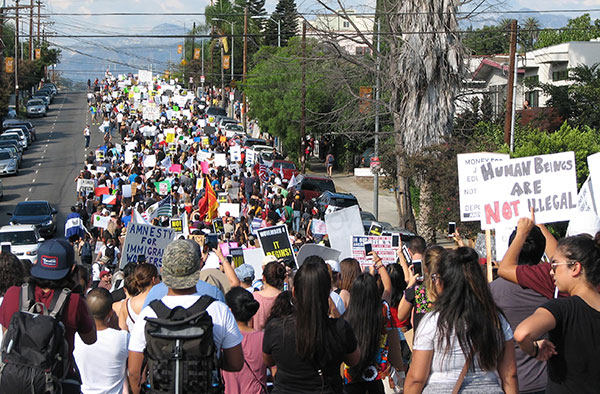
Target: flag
292, 182
208, 204
164, 208
138, 218
109, 199
99, 191
263, 173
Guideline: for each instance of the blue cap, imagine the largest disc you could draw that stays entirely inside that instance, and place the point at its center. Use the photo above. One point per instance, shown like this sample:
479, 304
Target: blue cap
245, 272
55, 259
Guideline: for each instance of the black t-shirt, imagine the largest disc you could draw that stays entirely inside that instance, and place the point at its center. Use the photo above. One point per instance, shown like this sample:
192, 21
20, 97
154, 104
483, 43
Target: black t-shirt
295, 375
576, 367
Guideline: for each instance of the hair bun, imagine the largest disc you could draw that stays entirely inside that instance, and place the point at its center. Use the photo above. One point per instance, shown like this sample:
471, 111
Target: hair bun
597, 239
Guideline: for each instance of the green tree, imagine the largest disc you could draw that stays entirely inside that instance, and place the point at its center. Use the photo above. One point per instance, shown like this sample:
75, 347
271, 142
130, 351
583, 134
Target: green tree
578, 29
287, 13
528, 34
488, 40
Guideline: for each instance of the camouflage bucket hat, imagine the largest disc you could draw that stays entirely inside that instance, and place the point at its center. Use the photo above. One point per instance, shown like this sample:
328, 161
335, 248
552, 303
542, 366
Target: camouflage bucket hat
181, 264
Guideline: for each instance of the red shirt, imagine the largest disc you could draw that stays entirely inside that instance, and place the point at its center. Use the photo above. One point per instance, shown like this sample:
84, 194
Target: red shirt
75, 315
538, 278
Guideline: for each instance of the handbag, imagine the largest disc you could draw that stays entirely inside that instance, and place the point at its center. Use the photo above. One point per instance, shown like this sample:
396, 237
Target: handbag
461, 378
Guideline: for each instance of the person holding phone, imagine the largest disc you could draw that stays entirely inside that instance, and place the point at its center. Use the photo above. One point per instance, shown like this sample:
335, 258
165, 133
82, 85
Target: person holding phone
217, 270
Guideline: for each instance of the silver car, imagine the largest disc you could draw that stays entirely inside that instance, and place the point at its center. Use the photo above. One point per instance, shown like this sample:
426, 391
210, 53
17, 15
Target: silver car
18, 135
36, 107
8, 162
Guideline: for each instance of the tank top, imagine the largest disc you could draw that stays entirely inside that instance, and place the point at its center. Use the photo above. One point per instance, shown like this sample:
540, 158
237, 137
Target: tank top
131, 316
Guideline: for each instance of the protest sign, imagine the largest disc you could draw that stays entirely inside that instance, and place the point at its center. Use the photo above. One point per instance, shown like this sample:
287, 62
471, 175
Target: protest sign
222, 198
150, 161
126, 191
218, 226
318, 227
502, 235
510, 188
468, 179
220, 160
233, 209
375, 229
175, 168
199, 183
341, 226
99, 155
227, 246
275, 241
177, 225
254, 257
585, 220
163, 188
317, 250
237, 256
255, 225
204, 167
85, 186
128, 157
236, 153
100, 221
250, 156
147, 240
382, 245
145, 76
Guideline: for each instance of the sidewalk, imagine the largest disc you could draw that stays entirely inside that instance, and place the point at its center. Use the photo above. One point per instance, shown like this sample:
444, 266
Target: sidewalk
363, 191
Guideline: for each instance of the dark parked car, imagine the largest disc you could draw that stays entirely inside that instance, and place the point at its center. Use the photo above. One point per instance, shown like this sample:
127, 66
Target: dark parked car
39, 213
10, 123
313, 186
330, 201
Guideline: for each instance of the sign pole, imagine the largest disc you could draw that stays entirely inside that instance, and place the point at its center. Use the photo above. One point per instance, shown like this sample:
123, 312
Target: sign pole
488, 254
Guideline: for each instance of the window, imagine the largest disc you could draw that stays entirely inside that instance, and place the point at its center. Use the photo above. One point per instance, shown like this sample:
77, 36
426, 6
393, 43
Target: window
346, 24
362, 51
560, 75
531, 80
534, 98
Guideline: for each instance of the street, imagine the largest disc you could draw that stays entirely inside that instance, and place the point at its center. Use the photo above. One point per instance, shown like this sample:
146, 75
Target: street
53, 161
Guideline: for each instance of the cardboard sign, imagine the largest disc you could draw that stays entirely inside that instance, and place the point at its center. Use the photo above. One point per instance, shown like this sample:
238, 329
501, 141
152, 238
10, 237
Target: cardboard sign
85, 186
150, 161
254, 257
148, 240
382, 245
237, 256
100, 221
509, 188
177, 225
233, 209
275, 241
468, 179
341, 226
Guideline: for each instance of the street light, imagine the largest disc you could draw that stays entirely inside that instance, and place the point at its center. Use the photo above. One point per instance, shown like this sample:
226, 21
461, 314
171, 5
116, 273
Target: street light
278, 26
232, 40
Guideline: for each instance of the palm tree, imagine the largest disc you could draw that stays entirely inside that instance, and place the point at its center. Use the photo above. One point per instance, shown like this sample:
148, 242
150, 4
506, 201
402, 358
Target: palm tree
529, 34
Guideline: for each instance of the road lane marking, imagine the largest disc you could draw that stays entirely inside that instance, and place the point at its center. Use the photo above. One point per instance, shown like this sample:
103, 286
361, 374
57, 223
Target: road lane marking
36, 171
33, 180
26, 198
42, 157
39, 164
30, 189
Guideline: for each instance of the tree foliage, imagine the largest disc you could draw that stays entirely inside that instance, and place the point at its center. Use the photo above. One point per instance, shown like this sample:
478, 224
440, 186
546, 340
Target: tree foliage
287, 13
578, 29
488, 40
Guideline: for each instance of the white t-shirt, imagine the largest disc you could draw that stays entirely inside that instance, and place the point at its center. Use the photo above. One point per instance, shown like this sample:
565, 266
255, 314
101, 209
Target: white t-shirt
338, 302
446, 370
102, 364
226, 333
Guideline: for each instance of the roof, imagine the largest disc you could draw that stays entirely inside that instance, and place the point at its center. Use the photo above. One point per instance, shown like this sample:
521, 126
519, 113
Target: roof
487, 65
17, 228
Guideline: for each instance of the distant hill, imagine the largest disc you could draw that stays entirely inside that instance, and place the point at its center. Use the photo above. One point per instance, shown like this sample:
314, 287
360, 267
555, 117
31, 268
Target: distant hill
548, 20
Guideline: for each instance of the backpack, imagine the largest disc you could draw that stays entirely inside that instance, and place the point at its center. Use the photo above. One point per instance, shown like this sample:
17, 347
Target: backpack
86, 249
35, 352
180, 352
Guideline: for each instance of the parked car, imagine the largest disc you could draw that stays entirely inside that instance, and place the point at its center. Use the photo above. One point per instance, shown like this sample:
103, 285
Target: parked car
9, 162
250, 142
49, 91
39, 213
10, 123
51, 86
36, 107
225, 121
213, 114
368, 218
18, 135
232, 129
13, 149
24, 241
288, 168
313, 186
26, 130
1, 189
330, 201
12, 143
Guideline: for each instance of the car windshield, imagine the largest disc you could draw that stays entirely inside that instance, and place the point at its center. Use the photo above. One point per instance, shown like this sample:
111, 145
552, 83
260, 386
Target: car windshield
35, 102
285, 166
19, 238
253, 142
32, 210
318, 185
4, 155
9, 137
233, 126
216, 111
343, 202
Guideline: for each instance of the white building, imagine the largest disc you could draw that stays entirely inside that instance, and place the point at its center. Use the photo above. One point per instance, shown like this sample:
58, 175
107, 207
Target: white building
347, 32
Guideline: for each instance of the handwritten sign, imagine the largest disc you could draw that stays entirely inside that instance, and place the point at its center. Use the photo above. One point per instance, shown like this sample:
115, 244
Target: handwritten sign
382, 245
148, 240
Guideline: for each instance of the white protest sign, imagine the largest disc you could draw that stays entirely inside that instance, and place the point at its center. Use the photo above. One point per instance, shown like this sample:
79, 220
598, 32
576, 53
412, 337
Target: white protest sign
150, 161
128, 157
220, 160
341, 226
100, 221
130, 146
145, 76
468, 178
233, 209
126, 191
510, 188
594, 178
502, 235
382, 245
147, 240
254, 257
250, 156
584, 219
235, 152
85, 185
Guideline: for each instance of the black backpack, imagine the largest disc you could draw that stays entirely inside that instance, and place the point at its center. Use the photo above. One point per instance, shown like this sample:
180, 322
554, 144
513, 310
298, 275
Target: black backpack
180, 350
35, 352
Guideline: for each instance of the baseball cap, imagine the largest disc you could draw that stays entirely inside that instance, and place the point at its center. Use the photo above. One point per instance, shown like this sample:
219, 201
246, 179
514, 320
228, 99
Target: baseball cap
181, 264
54, 260
245, 272
103, 273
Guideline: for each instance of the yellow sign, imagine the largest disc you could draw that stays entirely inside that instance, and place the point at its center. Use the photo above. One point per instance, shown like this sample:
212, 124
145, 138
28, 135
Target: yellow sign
366, 94
226, 61
183, 62
38, 53
170, 137
9, 65
225, 44
179, 49
196, 53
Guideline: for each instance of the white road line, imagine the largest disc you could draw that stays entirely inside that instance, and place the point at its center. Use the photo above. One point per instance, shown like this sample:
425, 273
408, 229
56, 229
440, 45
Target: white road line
46, 146
42, 157
26, 198
30, 189
39, 164
33, 180
36, 171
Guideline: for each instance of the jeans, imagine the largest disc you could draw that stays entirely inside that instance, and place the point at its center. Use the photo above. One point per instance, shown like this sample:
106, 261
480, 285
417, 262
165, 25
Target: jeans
87, 141
296, 221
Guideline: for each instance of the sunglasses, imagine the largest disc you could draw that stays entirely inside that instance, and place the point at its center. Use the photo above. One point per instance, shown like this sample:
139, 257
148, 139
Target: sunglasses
554, 264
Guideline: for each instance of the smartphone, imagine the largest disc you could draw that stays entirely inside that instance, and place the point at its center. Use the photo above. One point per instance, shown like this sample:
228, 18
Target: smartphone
6, 247
406, 254
418, 270
395, 240
451, 228
368, 249
212, 241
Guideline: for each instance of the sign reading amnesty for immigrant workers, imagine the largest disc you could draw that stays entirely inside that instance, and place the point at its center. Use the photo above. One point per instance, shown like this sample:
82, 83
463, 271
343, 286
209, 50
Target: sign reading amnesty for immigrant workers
147, 240
276, 241
511, 188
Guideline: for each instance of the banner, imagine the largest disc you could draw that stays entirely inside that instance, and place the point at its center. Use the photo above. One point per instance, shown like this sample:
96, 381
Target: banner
275, 241
468, 179
226, 62
197, 54
85, 186
382, 245
38, 53
9, 65
147, 240
510, 188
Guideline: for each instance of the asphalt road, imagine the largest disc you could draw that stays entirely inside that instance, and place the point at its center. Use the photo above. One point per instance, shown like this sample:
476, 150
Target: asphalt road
53, 161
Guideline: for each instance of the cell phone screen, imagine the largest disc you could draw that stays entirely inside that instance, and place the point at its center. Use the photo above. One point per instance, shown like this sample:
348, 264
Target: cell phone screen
395, 241
451, 228
417, 269
368, 249
406, 254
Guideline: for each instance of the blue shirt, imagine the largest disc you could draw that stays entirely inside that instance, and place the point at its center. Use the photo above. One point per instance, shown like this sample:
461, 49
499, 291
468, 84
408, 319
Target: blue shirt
160, 290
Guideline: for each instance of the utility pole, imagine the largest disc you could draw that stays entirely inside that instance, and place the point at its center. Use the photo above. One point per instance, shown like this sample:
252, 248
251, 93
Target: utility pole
511, 82
193, 39
244, 117
222, 74
17, 55
31, 31
376, 148
203, 77
39, 5
303, 103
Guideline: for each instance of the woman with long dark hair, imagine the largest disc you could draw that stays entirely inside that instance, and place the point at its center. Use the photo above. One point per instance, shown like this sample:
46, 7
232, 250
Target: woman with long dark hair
572, 323
466, 343
308, 347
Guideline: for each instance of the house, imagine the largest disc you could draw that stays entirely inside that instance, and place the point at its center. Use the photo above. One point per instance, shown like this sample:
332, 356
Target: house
348, 32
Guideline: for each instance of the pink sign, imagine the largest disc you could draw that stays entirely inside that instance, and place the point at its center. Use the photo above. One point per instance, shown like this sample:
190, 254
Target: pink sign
204, 166
175, 168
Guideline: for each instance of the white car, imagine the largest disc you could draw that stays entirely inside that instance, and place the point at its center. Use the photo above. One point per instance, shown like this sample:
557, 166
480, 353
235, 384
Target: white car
24, 240
18, 135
